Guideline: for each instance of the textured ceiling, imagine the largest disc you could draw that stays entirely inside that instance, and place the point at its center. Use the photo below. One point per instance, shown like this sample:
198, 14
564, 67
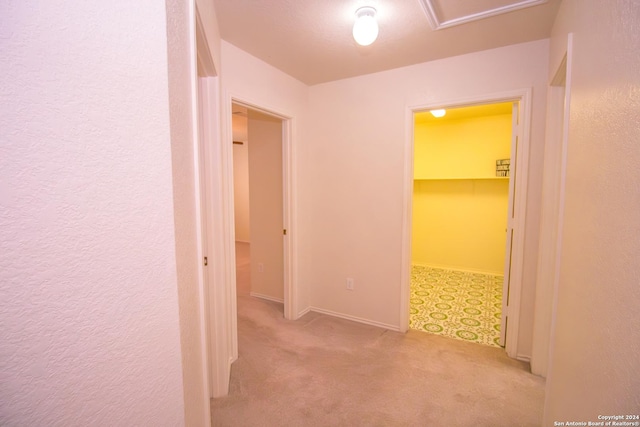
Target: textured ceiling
311, 39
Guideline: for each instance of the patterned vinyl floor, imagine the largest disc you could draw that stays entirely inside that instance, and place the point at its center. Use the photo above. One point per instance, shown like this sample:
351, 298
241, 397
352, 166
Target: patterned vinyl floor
457, 304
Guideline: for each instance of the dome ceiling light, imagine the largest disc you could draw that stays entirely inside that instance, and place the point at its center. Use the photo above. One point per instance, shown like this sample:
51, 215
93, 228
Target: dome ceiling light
365, 29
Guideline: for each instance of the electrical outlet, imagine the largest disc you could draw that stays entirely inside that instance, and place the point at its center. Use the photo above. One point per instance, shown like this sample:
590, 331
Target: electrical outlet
260, 267
349, 284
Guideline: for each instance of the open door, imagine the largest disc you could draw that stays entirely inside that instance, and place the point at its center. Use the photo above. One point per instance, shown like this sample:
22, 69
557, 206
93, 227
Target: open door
213, 243
217, 322
266, 205
504, 323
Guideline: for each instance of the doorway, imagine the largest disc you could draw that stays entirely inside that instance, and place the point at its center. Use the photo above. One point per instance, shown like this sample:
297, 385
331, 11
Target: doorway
518, 177
460, 212
258, 203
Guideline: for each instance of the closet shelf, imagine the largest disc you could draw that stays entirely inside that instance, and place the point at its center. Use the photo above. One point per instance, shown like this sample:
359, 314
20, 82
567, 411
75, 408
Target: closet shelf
462, 178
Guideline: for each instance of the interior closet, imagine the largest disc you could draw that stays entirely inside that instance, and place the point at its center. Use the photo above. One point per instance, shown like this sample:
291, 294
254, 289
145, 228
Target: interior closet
460, 204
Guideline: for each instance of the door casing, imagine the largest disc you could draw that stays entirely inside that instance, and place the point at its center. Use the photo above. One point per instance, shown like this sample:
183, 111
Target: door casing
227, 209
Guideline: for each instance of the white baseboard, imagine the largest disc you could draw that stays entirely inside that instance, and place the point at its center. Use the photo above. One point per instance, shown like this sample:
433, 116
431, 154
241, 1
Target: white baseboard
523, 358
355, 319
267, 297
466, 270
330, 313
303, 312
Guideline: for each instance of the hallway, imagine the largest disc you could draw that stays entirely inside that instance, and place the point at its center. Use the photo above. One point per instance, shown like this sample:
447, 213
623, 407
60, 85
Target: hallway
324, 371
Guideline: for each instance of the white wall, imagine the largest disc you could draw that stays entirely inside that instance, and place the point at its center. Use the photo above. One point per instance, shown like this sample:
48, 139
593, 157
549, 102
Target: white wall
252, 81
265, 194
351, 175
88, 297
594, 366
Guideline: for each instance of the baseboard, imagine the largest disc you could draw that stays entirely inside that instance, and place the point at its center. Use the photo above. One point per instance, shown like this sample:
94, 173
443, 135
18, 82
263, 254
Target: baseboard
355, 319
523, 358
267, 297
242, 241
303, 312
465, 270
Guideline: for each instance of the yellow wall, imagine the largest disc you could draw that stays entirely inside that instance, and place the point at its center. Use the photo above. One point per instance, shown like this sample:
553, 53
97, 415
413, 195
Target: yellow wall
459, 207
463, 148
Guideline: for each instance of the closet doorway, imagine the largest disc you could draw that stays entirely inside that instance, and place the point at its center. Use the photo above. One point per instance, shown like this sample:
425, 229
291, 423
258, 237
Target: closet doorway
463, 213
258, 203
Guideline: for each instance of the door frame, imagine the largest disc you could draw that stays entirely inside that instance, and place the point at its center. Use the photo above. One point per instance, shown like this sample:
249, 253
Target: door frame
552, 214
288, 186
523, 96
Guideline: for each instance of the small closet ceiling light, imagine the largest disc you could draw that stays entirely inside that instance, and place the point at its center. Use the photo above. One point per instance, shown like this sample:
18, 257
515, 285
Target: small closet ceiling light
365, 29
438, 113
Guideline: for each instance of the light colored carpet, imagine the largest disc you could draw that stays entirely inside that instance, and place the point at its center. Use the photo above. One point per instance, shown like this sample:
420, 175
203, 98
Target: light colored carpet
458, 304
325, 371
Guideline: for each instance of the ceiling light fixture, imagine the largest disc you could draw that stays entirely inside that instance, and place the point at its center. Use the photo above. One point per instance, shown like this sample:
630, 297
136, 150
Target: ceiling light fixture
365, 29
438, 113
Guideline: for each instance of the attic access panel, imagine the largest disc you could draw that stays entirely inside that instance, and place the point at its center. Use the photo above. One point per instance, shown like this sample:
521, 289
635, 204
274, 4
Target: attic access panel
448, 13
